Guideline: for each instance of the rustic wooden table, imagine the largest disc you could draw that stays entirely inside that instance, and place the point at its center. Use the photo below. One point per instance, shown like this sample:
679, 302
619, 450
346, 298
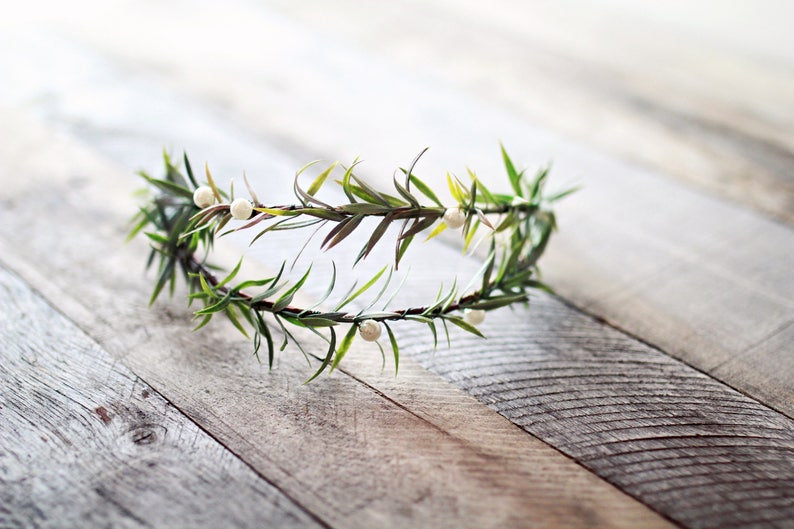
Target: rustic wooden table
656, 389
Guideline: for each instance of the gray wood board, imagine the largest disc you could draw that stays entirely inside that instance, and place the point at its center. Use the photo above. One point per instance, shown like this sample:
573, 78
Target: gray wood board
357, 449
675, 438
570, 360
659, 86
704, 279
86, 443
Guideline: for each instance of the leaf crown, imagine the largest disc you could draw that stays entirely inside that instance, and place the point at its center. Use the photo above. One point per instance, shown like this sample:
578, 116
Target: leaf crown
182, 218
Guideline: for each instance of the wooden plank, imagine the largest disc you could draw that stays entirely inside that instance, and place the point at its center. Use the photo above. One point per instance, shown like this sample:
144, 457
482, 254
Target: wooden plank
88, 444
346, 450
690, 273
711, 105
669, 497
774, 351
575, 359
673, 437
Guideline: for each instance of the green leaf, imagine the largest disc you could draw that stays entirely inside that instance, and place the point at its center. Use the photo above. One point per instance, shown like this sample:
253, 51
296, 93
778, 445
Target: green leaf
381, 292
310, 321
166, 274
402, 247
170, 188
454, 189
488, 197
495, 303
471, 231
286, 297
327, 360
396, 290
365, 208
232, 315
328, 291
513, 175
320, 180
139, 221
252, 283
345, 182
431, 324
303, 196
157, 237
344, 345
394, 347
189, 170
562, 194
211, 182
363, 289
231, 275
437, 230
425, 190
204, 321
404, 192
279, 212
341, 231
420, 225
263, 329
537, 185
446, 332
321, 213
377, 233
205, 286
463, 324
215, 307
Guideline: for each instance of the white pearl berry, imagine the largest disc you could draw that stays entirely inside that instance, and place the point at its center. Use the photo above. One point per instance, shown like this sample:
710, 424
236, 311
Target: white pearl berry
454, 218
241, 209
369, 330
203, 197
474, 316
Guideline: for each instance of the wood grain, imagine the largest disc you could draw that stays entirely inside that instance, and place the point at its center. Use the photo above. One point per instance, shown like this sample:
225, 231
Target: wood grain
673, 437
695, 286
572, 371
423, 454
699, 277
653, 86
88, 444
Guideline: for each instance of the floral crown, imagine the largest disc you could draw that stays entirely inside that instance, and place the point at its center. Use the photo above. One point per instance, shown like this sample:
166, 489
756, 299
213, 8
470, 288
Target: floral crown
183, 217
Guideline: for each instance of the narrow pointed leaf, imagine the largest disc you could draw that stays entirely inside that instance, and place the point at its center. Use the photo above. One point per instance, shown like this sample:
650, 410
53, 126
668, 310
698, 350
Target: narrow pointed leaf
320, 180
342, 230
211, 182
363, 289
327, 360
512, 174
394, 347
344, 345
463, 324
425, 190
437, 230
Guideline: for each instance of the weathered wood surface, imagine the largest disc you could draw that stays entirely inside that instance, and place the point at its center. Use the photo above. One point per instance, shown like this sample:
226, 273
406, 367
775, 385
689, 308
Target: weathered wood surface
703, 279
574, 354
673, 437
357, 449
702, 92
86, 443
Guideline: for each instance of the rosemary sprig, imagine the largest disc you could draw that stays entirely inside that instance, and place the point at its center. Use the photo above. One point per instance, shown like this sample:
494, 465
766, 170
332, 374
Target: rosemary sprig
184, 216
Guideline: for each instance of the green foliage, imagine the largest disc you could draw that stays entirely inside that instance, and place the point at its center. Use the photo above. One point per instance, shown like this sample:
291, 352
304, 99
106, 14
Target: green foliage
517, 227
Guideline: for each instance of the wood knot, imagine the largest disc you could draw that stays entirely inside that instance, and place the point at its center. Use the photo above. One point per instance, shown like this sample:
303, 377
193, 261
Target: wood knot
147, 434
103, 414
